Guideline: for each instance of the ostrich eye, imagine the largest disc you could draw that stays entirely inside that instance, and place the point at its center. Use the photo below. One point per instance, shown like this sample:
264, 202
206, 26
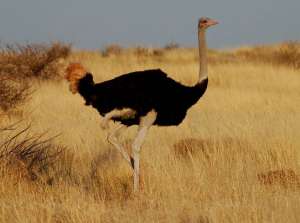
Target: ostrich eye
204, 21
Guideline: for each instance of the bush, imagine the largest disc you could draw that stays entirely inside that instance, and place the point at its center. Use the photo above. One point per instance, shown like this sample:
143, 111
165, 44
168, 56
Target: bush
113, 49
140, 51
33, 60
287, 53
19, 64
158, 52
13, 92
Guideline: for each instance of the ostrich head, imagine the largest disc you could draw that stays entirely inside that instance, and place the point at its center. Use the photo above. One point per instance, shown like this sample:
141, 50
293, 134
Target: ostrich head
75, 72
206, 22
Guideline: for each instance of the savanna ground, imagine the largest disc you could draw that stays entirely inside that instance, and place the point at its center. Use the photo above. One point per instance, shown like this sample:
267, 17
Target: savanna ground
235, 158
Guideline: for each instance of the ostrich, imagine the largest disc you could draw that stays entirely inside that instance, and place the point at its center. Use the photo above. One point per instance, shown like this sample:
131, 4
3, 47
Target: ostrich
142, 98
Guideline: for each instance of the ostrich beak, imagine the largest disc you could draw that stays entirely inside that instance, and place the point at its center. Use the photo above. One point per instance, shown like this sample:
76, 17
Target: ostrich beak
212, 22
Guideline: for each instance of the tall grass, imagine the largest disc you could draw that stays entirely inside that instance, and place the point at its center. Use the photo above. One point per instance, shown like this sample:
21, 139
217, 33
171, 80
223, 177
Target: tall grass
235, 158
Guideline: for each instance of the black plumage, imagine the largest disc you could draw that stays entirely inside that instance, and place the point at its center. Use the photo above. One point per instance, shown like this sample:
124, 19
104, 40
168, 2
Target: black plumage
142, 91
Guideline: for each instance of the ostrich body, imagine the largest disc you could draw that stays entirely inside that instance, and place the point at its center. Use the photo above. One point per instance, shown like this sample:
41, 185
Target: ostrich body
143, 98
142, 92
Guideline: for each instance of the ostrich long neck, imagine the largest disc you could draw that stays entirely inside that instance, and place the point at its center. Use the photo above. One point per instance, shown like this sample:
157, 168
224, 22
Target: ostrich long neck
202, 55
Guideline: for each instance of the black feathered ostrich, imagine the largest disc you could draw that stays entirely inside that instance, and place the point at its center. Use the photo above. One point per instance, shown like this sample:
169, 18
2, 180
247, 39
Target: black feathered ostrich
143, 98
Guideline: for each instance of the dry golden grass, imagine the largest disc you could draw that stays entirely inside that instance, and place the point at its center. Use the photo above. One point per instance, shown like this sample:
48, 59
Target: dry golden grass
235, 158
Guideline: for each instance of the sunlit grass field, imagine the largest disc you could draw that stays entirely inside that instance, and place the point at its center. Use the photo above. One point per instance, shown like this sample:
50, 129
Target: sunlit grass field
235, 158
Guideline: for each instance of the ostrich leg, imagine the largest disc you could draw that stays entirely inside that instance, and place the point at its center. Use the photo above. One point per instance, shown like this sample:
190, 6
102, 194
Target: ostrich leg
113, 136
144, 126
113, 139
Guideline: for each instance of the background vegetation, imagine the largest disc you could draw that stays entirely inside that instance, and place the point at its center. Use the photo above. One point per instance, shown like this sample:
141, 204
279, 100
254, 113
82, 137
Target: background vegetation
234, 159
